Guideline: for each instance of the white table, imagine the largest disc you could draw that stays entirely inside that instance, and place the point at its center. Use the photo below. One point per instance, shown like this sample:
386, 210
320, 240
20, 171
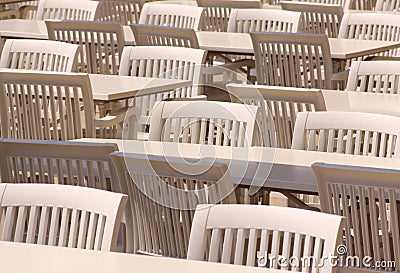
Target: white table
240, 43
36, 29
23, 258
223, 42
114, 87
279, 169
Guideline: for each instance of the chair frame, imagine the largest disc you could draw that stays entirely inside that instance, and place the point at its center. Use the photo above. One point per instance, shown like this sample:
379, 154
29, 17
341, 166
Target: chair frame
281, 223
350, 124
161, 223
153, 35
263, 20
281, 107
317, 18
67, 10
99, 206
344, 190
39, 55
374, 77
310, 41
163, 113
70, 30
161, 14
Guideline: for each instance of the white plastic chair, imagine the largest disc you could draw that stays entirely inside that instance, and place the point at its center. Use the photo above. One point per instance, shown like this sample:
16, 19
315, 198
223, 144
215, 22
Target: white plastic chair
163, 62
374, 77
48, 106
164, 196
217, 12
279, 108
348, 133
153, 35
207, 122
317, 18
61, 215
242, 234
264, 20
67, 10
39, 55
96, 57
387, 5
346, 4
172, 15
369, 199
371, 26
125, 12
293, 59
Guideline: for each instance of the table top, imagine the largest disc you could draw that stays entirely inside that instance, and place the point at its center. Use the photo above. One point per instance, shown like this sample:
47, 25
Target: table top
256, 167
36, 29
224, 42
241, 43
114, 87
22, 258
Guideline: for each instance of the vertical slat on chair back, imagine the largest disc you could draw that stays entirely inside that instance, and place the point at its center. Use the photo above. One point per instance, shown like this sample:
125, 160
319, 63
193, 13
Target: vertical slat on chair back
39, 55
369, 199
46, 106
372, 26
279, 107
171, 15
348, 133
125, 12
387, 5
374, 77
58, 162
67, 10
152, 35
318, 18
291, 59
61, 215
223, 124
96, 57
263, 20
217, 12
164, 193
216, 236
163, 62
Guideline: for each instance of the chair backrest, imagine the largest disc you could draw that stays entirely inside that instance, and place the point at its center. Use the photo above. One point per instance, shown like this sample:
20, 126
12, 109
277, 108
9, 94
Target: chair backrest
58, 162
9, 14
39, 55
387, 5
61, 215
152, 35
236, 234
172, 15
279, 108
369, 199
164, 194
345, 4
223, 123
317, 18
348, 133
95, 57
374, 77
371, 26
163, 62
125, 12
46, 105
293, 59
67, 10
263, 20
217, 12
